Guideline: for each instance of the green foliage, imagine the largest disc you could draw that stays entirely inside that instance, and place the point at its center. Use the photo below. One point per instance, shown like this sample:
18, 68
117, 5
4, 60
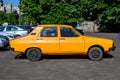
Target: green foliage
67, 12
106, 11
11, 18
110, 17
52, 11
2, 17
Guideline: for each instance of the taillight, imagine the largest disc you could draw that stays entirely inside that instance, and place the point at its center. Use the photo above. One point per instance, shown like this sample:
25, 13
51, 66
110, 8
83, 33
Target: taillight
28, 31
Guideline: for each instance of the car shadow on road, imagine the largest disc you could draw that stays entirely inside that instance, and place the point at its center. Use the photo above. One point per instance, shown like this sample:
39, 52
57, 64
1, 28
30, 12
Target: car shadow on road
20, 56
108, 56
23, 56
4, 49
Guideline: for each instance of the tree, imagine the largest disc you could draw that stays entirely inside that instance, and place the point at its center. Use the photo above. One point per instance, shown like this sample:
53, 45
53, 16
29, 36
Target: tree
11, 18
110, 18
106, 11
52, 11
71, 11
2, 17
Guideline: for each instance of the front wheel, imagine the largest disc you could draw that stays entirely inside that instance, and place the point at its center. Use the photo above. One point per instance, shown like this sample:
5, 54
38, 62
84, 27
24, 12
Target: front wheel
34, 54
95, 53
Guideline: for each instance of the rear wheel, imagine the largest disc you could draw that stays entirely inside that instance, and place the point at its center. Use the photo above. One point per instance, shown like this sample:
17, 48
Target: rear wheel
95, 53
34, 54
17, 36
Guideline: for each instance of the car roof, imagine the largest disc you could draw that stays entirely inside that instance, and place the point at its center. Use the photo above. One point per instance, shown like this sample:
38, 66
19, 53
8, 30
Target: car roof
46, 25
53, 25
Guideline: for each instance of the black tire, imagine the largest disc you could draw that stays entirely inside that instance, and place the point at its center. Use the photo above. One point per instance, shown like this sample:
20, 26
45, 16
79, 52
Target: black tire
17, 36
95, 53
34, 54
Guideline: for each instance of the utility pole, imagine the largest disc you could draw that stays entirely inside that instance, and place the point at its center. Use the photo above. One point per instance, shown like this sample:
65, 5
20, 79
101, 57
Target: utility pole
19, 16
19, 13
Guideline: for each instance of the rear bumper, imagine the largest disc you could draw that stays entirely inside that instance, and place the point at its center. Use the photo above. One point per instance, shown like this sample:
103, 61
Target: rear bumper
4, 44
1, 45
12, 49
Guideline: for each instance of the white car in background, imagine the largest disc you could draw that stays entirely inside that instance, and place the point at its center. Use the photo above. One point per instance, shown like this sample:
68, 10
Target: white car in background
10, 36
16, 30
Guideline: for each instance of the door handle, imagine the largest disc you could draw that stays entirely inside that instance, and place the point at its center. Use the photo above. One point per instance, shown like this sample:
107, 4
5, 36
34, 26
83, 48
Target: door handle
62, 38
39, 39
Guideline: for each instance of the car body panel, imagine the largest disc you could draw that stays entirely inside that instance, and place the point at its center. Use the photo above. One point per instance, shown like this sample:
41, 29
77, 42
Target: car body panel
4, 41
1, 43
77, 44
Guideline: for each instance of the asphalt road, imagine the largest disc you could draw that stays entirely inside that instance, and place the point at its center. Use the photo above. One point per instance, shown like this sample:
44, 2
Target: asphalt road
63, 67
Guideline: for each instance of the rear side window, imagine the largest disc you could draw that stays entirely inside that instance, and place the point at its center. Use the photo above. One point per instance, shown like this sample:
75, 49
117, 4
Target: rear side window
49, 32
12, 29
2, 28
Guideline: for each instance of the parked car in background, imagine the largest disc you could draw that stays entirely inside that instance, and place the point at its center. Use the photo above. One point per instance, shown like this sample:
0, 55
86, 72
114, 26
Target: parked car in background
80, 31
33, 26
10, 35
4, 42
26, 27
16, 30
60, 40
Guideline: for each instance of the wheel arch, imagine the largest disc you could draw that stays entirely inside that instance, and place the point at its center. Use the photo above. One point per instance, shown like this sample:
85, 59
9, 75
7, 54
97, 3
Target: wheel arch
18, 35
30, 48
96, 46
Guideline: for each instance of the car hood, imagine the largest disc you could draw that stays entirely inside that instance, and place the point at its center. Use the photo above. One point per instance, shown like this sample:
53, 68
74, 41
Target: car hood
93, 39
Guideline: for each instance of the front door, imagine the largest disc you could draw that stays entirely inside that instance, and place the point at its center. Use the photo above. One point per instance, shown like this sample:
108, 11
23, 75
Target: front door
70, 42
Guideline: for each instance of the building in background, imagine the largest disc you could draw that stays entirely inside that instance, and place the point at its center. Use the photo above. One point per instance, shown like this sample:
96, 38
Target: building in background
8, 8
89, 26
1, 6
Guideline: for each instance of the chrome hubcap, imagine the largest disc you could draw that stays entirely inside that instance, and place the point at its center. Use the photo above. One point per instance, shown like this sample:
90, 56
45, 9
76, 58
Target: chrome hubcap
95, 54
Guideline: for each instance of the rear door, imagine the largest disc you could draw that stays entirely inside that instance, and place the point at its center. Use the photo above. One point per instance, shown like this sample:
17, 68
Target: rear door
70, 41
10, 29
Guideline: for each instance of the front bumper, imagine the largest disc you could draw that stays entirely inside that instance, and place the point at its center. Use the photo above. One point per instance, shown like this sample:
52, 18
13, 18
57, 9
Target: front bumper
112, 48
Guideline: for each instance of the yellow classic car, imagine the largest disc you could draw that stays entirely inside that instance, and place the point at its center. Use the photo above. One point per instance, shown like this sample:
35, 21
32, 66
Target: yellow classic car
56, 39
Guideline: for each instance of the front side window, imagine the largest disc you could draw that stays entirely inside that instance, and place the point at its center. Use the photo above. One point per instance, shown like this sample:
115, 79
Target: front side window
67, 32
49, 32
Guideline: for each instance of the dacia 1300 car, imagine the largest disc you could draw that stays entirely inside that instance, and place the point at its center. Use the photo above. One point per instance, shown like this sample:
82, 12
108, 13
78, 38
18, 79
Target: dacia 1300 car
60, 40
